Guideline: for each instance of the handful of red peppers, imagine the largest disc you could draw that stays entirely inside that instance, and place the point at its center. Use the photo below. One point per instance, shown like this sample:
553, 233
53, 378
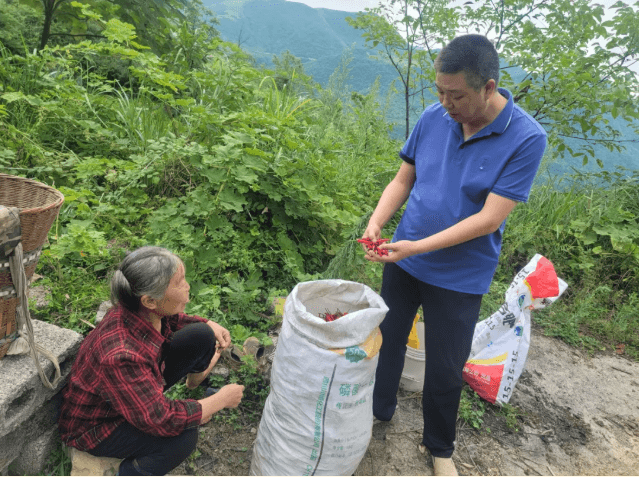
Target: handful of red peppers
331, 316
374, 245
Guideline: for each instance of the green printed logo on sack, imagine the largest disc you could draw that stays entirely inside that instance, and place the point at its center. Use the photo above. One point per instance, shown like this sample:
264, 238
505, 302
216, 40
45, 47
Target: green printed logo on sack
355, 354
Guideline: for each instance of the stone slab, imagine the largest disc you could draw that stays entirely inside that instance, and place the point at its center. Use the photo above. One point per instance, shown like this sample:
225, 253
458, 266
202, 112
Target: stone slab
29, 445
83, 463
21, 390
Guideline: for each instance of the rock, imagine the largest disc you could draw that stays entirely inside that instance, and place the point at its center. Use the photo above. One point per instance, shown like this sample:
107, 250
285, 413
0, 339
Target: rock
83, 463
220, 370
40, 294
102, 309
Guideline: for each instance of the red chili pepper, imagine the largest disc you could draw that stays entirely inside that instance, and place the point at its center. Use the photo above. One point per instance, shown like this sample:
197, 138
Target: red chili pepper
374, 245
328, 317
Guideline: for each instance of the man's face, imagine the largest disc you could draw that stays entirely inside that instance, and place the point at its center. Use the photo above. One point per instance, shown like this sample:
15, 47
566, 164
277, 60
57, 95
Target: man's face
463, 103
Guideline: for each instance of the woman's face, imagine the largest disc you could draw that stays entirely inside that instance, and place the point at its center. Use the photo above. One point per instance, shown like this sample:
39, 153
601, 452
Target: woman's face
176, 296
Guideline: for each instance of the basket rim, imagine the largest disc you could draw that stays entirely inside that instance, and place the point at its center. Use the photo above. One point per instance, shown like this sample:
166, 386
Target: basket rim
57, 203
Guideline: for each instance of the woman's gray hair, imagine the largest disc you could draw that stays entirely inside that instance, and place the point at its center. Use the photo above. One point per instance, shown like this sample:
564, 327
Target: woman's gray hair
145, 271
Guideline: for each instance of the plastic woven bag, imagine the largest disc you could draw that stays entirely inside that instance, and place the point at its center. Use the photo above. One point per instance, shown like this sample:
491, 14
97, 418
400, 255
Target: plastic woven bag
318, 416
501, 342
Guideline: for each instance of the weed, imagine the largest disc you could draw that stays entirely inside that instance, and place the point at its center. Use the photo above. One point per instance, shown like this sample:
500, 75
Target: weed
190, 461
472, 408
512, 416
216, 381
180, 391
230, 417
58, 463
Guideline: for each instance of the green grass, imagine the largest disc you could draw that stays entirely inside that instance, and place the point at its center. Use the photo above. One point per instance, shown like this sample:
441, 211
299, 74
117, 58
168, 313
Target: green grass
74, 298
586, 225
512, 415
58, 462
472, 408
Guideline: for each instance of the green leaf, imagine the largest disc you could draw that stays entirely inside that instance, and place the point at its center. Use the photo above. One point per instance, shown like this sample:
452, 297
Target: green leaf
119, 31
215, 175
18, 95
231, 200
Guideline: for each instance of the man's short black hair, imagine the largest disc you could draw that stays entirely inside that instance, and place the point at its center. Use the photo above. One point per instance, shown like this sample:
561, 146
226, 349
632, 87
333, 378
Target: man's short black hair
474, 55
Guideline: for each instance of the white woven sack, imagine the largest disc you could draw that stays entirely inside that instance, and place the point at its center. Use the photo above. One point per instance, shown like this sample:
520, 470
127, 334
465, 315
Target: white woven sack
501, 342
318, 416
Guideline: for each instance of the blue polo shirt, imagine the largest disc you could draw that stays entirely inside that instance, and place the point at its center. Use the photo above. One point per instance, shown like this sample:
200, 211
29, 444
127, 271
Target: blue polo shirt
454, 178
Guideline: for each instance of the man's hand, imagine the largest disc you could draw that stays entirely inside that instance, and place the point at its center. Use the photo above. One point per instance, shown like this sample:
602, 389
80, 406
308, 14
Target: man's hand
222, 335
373, 233
397, 251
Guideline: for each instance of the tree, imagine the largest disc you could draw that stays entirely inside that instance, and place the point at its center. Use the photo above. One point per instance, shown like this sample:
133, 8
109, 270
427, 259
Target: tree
399, 44
150, 17
572, 85
17, 22
576, 64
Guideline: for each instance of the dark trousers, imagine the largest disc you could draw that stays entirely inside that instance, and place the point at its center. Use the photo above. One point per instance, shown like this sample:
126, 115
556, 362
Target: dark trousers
190, 351
449, 324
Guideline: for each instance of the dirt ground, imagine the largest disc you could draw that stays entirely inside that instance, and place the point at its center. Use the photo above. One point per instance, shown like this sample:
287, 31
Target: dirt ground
580, 416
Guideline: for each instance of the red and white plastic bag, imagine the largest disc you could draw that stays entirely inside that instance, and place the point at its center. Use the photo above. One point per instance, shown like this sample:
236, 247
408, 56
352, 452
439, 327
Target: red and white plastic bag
501, 342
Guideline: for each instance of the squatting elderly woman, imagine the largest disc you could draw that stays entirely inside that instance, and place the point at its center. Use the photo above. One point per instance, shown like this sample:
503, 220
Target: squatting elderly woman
114, 403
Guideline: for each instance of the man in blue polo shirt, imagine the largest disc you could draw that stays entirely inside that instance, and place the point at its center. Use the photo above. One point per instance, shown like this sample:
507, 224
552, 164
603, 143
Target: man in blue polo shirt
469, 160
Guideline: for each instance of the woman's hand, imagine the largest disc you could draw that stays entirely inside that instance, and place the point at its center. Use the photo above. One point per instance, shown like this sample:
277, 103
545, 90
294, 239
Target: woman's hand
232, 395
222, 335
228, 397
223, 338
397, 251
193, 380
214, 359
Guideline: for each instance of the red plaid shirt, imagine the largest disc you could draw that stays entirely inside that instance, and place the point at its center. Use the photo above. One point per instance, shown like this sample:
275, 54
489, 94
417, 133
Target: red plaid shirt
117, 377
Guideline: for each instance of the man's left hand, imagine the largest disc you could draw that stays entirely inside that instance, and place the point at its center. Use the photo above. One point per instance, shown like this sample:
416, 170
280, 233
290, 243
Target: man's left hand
397, 251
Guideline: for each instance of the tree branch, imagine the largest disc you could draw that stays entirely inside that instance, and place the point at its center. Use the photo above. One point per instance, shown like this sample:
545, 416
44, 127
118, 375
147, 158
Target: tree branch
77, 34
69, 14
600, 140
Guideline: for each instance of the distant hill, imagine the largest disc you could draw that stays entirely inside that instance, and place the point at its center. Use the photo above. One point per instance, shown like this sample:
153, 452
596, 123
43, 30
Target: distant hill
319, 37
315, 35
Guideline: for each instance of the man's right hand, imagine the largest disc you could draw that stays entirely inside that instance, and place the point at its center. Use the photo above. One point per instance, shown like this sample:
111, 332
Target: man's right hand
372, 232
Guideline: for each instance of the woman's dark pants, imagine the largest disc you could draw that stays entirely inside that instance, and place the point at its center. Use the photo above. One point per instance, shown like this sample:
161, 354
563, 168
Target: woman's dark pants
449, 324
191, 350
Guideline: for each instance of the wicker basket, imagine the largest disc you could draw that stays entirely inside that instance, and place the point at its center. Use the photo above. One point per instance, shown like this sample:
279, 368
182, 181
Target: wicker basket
39, 206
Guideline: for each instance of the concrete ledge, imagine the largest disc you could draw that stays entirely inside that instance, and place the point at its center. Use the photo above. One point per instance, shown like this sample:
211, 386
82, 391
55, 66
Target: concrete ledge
28, 410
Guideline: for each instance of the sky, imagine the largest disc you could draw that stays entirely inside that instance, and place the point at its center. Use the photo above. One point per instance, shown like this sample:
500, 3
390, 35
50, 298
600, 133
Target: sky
342, 5
360, 5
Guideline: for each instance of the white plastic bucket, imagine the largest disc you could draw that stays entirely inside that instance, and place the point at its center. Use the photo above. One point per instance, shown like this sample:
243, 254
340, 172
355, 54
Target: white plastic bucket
414, 364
